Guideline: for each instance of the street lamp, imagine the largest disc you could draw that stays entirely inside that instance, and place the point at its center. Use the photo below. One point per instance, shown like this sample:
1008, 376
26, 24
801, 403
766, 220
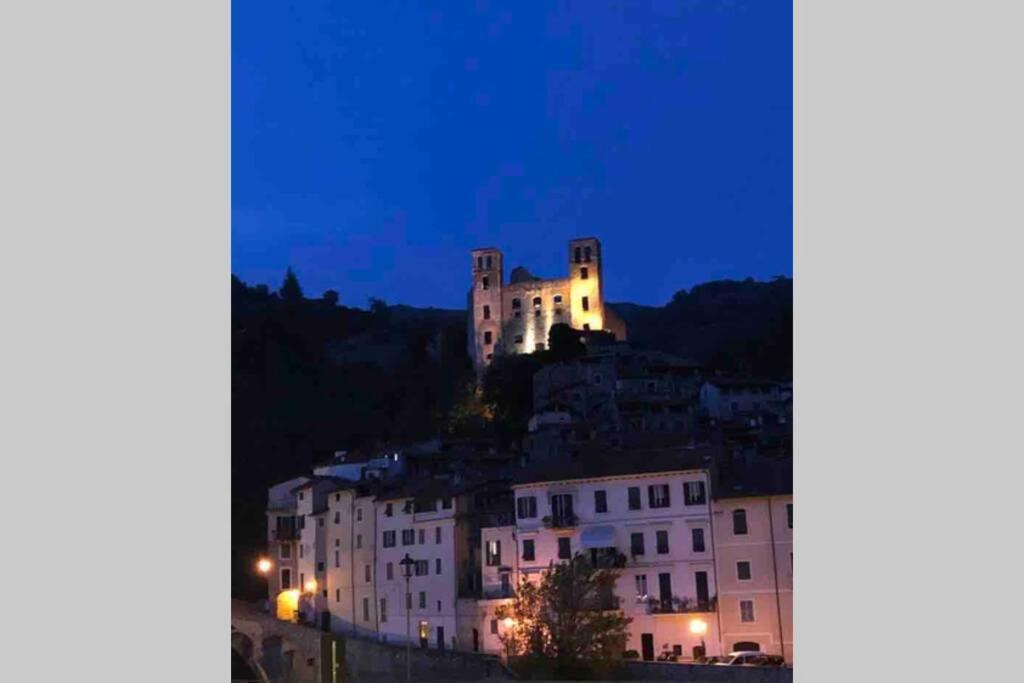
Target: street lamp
699, 627
263, 566
407, 565
509, 636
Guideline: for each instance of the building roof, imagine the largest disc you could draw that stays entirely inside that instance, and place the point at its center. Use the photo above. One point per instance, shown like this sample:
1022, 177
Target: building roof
616, 462
760, 477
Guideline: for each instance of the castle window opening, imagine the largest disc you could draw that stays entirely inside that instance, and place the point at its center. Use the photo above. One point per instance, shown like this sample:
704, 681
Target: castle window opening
479, 262
586, 256
584, 273
489, 258
487, 312
517, 314
576, 254
536, 313
586, 303
516, 303
487, 337
558, 298
536, 301
558, 311
485, 282
519, 339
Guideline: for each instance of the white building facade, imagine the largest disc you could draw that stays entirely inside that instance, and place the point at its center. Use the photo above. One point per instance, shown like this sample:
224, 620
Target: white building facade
657, 525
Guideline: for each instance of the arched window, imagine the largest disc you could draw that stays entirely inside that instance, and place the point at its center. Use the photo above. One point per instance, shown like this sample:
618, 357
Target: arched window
746, 646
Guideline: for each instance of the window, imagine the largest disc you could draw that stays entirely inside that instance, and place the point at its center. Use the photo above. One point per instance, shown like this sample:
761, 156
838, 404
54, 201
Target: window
488, 262
693, 493
422, 568
423, 536
657, 495
739, 522
661, 537
698, 540
528, 549
586, 303
320, 522
487, 337
516, 303
383, 609
319, 566
564, 548
577, 254
526, 507
600, 501
286, 578
337, 518
390, 569
366, 609
286, 551
423, 600
337, 558
641, 585
536, 301
301, 494
536, 313
539, 346
558, 298
561, 510
789, 515
743, 571
586, 254
480, 262
337, 595
301, 548
586, 327
746, 611
389, 539
437, 565
408, 536
485, 282
446, 503
487, 312
494, 625
634, 497
636, 543
519, 339
366, 573
359, 540
388, 510
583, 273
437, 534
493, 553
359, 514
438, 606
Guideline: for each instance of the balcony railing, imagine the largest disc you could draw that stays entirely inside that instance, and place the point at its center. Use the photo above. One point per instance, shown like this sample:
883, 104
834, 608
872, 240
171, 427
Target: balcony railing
677, 605
286, 534
497, 592
563, 521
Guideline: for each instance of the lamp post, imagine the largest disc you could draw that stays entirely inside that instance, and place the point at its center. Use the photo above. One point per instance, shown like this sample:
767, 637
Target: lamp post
263, 566
509, 636
700, 627
407, 565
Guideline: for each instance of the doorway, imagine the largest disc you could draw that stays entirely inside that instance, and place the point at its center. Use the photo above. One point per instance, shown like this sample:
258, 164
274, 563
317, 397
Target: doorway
647, 646
424, 634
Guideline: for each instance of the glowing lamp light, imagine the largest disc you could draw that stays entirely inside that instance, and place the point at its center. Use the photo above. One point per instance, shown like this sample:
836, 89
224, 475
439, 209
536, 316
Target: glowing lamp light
311, 586
264, 565
698, 627
509, 622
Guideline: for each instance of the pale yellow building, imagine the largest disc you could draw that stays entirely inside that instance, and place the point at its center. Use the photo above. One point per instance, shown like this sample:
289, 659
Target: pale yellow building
515, 317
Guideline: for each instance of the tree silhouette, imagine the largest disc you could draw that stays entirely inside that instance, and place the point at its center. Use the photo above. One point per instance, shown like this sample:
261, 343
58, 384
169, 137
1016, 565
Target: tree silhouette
331, 297
290, 289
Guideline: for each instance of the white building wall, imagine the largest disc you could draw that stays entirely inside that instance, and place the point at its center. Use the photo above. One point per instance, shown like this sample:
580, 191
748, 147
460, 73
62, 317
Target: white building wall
681, 562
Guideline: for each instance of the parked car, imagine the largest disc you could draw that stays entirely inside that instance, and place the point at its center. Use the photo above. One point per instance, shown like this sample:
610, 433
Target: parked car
710, 659
743, 658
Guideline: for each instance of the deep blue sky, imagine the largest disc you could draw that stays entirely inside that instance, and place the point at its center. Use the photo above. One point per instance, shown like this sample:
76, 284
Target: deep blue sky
374, 143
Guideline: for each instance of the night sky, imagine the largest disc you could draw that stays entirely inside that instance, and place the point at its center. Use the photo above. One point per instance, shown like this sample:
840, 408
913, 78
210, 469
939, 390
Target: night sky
374, 143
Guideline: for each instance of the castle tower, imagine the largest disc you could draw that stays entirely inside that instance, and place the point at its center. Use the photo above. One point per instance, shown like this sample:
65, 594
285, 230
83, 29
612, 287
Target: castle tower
485, 305
585, 284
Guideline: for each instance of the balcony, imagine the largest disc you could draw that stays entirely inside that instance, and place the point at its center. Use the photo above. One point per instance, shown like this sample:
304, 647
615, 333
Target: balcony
677, 605
562, 521
286, 532
497, 592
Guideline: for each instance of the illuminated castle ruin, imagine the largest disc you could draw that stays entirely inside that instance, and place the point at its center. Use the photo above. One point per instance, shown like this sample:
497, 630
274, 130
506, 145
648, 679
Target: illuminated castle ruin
515, 317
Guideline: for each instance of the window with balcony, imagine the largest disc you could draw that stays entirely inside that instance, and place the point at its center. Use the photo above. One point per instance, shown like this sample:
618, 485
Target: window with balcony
739, 522
561, 510
526, 507
600, 501
657, 496
636, 543
634, 497
528, 550
641, 585
493, 553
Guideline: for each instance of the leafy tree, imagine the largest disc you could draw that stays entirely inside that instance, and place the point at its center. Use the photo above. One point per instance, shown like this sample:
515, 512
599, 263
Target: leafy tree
565, 343
330, 297
569, 624
290, 289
